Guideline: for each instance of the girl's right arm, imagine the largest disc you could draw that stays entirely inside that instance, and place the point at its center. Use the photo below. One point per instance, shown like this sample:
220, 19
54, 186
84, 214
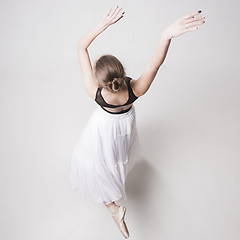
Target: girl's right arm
182, 25
90, 82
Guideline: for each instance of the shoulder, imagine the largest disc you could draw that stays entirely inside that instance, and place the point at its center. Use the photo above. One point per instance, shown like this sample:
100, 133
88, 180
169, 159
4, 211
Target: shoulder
132, 83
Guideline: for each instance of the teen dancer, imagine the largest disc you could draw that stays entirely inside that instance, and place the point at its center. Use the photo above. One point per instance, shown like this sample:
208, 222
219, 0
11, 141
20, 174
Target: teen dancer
101, 157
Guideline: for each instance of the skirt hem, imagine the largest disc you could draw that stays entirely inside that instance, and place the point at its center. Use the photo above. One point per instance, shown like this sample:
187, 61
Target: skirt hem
121, 197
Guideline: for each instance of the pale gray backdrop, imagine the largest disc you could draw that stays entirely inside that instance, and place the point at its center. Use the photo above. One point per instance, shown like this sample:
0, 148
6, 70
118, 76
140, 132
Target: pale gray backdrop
187, 185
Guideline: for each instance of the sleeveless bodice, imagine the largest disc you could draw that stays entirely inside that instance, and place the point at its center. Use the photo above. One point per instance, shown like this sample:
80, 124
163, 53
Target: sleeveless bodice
131, 98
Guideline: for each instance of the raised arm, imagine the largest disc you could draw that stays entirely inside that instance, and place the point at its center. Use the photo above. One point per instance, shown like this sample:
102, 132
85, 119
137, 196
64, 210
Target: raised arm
182, 25
89, 80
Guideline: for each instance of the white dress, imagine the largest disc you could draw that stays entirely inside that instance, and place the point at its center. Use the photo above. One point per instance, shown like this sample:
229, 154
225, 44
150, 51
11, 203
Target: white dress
105, 153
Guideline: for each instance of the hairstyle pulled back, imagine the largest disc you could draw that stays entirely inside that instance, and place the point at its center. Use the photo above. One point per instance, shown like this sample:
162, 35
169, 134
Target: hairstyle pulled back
110, 72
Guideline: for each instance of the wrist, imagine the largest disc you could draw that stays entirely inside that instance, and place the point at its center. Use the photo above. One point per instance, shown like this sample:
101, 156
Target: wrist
101, 27
166, 36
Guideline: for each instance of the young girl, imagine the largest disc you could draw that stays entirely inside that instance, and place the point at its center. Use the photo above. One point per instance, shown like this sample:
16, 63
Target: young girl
105, 150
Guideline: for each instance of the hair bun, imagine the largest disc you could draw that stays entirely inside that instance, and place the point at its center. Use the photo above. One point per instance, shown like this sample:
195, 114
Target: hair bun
115, 84
109, 85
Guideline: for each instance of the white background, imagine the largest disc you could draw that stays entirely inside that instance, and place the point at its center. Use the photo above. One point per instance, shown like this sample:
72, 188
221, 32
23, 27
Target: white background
187, 185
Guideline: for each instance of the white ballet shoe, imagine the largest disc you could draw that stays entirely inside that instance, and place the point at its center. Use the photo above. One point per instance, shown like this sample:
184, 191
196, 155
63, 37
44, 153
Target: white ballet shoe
119, 220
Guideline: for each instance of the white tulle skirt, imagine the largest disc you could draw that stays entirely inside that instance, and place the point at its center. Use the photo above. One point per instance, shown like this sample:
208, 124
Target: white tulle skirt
105, 153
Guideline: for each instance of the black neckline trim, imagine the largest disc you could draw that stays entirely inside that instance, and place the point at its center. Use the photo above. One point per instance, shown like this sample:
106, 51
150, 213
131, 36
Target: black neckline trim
123, 111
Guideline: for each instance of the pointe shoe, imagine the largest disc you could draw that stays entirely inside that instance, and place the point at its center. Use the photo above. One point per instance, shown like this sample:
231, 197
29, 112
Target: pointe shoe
119, 220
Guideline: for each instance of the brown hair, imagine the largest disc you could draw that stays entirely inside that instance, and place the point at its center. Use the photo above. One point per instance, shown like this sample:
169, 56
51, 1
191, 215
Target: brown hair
110, 72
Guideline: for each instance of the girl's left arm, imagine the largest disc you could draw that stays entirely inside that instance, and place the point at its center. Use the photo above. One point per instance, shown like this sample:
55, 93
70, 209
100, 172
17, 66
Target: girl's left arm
90, 82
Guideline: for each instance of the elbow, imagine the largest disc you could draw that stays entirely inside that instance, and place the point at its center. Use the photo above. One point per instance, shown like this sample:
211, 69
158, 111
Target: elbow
144, 91
140, 92
81, 45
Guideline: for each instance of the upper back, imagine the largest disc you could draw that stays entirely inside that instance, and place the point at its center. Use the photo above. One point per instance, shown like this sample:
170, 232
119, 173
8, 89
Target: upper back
131, 96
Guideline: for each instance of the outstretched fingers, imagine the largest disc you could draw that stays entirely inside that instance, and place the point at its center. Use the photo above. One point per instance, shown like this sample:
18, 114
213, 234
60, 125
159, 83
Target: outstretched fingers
194, 23
118, 12
114, 15
191, 15
115, 12
119, 17
108, 12
194, 19
190, 21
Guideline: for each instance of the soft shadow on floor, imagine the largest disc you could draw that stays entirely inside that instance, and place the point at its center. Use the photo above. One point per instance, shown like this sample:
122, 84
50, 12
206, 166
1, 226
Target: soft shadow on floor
139, 181
141, 190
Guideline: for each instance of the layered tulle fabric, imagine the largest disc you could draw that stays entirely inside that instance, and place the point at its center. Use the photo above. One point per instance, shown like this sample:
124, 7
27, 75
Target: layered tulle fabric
105, 153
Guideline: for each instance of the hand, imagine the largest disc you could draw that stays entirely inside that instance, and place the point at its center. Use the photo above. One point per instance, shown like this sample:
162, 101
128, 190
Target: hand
111, 17
183, 25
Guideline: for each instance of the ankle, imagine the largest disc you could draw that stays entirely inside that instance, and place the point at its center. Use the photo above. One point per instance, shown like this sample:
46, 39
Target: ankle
113, 207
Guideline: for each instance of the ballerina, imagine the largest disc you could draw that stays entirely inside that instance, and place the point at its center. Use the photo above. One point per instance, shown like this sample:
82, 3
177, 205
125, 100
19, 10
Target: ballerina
101, 157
